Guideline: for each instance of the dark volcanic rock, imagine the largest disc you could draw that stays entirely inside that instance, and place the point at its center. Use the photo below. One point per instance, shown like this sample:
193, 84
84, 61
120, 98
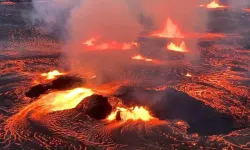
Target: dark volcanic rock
238, 69
118, 116
172, 104
96, 106
202, 118
18, 1
36, 91
67, 82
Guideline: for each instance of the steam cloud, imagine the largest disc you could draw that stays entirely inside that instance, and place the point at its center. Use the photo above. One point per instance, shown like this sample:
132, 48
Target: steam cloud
122, 21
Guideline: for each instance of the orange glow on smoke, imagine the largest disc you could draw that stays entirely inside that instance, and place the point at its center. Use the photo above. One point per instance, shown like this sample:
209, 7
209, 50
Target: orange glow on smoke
213, 4
109, 88
52, 74
136, 113
62, 100
181, 48
170, 30
95, 44
7, 3
246, 9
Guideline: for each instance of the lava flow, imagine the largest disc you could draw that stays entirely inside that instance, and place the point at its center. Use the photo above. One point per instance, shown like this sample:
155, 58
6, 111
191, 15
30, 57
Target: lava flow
181, 48
66, 99
95, 43
59, 100
55, 101
213, 4
136, 113
142, 58
52, 74
170, 30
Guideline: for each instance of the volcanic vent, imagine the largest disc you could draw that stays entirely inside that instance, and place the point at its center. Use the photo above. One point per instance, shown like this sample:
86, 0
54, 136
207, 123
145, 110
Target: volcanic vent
124, 74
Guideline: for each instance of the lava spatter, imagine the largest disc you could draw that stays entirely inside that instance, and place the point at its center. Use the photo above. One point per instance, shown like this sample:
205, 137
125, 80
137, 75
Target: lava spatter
170, 30
136, 113
52, 74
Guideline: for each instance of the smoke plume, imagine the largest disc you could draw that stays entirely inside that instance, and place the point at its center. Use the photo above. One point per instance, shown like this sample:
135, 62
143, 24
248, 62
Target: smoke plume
121, 21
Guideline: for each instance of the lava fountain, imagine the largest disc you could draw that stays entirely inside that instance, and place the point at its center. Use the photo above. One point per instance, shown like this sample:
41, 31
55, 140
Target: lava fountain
181, 48
213, 4
52, 74
134, 113
170, 30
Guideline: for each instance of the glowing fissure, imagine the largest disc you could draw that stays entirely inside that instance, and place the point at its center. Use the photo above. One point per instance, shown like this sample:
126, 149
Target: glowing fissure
140, 57
95, 44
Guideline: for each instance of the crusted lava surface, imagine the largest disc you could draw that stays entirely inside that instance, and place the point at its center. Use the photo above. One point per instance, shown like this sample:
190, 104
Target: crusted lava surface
208, 109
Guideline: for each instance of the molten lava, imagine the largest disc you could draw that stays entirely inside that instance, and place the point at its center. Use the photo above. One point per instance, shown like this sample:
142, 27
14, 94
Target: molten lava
136, 113
62, 100
96, 44
139, 57
181, 48
213, 4
188, 75
90, 42
170, 30
52, 74
142, 58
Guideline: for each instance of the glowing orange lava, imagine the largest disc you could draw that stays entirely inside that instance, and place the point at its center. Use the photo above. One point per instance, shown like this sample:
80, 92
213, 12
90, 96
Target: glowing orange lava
96, 44
55, 101
62, 100
139, 57
213, 4
90, 42
136, 113
142, 58
188, 75
52, 74
170, 30
181, 48
207, 35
